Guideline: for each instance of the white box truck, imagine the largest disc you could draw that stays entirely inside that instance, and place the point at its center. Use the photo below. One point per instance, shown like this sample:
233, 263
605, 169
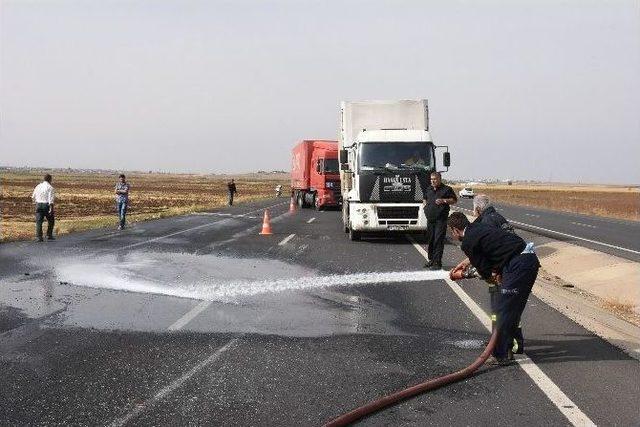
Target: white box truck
386, 158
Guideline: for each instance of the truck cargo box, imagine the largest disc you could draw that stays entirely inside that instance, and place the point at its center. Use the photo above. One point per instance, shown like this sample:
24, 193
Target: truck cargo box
376, 115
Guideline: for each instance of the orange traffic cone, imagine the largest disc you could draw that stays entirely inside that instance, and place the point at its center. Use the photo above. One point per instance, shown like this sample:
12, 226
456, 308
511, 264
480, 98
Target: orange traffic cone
292, 206
266, 223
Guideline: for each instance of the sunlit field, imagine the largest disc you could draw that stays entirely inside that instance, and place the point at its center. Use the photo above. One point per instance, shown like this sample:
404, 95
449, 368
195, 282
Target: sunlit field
86, 200
607, 201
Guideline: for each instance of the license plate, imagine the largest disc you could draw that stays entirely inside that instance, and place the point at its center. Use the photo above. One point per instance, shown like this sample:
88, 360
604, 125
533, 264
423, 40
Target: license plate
398, 227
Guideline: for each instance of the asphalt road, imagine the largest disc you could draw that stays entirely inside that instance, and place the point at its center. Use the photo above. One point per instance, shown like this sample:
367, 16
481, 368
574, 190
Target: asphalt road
198, 320
613, 236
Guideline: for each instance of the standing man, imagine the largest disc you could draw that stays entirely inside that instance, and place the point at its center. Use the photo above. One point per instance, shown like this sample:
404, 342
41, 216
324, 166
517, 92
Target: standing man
231, 186
122, 200
504, 258
436, 204
43, 196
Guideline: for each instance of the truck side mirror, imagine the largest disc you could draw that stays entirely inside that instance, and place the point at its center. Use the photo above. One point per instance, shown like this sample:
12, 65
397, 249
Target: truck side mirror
344, 156
344, 160
446, 159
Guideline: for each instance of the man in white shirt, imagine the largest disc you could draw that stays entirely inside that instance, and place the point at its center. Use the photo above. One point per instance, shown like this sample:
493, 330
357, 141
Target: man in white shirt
43, 196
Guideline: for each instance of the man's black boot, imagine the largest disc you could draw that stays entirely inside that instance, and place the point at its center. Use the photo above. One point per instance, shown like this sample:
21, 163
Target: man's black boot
428, 264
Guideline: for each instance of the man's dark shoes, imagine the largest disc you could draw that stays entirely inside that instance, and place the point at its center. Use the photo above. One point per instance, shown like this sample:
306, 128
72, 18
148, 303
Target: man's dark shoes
39, 239
51, 238
428, 264
435, 267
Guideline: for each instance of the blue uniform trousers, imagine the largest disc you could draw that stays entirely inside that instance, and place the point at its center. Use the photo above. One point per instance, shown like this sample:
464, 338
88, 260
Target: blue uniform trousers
518, 277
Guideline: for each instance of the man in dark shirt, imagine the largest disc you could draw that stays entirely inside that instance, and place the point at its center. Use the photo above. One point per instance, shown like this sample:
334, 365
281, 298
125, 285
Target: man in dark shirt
436, 203
487, 214
502, 257
231, 188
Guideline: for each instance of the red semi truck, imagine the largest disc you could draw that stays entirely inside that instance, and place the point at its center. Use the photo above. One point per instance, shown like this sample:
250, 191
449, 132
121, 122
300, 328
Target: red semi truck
315, 174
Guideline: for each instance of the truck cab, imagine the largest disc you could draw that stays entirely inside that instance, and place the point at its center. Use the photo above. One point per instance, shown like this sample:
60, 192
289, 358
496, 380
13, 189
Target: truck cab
315, 174
390, 176
386, 159
324, 179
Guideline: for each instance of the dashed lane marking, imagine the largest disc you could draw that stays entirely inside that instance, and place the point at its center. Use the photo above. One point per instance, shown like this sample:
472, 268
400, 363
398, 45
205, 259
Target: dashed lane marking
228, 215
170, 388
286, 239
571, 236
582, 224
190, 229
189, 316
561, 401
311, 220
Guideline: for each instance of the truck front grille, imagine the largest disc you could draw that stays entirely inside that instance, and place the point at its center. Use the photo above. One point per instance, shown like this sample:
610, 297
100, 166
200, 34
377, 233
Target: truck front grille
398, 212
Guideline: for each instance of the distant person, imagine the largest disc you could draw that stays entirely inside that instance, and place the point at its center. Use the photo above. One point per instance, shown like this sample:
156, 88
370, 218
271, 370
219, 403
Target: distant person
231, 188
122, 200
436, 204
278, 190
505, 259
43, 196
487, 214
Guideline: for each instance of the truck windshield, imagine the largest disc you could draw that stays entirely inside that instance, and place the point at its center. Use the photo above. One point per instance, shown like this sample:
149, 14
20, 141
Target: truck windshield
399, 155
331, 166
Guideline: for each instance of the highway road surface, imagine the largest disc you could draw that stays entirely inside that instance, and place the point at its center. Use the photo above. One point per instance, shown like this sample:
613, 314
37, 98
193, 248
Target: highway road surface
613, 236
199, 320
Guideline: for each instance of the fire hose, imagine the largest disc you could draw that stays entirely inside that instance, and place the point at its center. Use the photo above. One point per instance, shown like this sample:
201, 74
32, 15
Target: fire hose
432, 384
456, 273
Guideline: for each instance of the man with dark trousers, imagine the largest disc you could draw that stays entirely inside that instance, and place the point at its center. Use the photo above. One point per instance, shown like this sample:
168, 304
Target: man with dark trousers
231, 188
487, 214
504, 258
43, 196
438, 198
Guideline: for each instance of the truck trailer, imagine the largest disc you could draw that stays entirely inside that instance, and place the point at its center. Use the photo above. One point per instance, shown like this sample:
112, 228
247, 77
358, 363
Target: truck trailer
386, 158
315, 178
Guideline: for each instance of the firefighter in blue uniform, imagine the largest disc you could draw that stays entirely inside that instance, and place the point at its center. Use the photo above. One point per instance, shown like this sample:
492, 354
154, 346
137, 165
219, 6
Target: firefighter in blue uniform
504, 258
487, 214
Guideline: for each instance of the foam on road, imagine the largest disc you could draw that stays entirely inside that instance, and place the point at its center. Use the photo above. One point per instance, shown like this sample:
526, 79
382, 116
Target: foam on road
213, 278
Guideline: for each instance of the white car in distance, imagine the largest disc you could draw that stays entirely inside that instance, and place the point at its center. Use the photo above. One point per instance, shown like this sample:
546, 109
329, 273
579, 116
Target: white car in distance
466, 193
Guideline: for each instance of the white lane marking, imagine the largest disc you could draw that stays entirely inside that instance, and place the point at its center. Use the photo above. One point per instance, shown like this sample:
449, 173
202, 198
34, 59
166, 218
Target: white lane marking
189, 316
532, 215
576, 237
155, 239
224, 214
170, 388
286, 239
567, 235
561, 401
582, 224
311, 220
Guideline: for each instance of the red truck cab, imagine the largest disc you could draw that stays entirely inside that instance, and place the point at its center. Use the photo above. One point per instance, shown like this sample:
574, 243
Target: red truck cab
315, 174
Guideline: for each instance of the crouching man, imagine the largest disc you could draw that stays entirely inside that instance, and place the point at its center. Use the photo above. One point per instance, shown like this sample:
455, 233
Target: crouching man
499, 257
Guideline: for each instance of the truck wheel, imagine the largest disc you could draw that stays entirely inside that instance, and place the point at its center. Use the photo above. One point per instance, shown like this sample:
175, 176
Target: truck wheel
354, 235
316, 202
301, 200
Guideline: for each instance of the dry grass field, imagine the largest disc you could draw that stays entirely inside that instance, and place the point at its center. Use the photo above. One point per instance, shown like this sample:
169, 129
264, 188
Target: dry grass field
607, 201
86, 200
